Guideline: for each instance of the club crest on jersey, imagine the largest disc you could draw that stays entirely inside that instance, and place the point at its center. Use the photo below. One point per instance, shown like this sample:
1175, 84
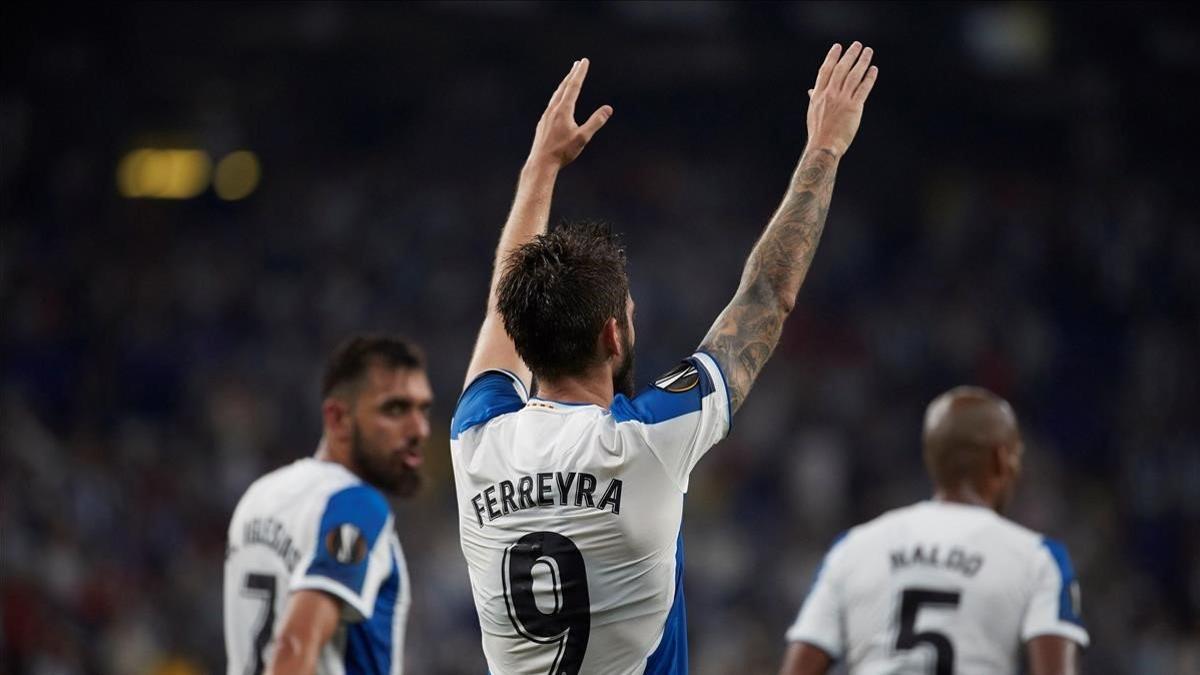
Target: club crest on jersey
346, 544
681, 378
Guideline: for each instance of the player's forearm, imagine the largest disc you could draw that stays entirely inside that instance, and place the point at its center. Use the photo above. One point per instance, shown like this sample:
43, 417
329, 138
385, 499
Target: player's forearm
309, 621
529, 215
780, 260
805, 659
1052, 655
527, 219
746, 333
293, 657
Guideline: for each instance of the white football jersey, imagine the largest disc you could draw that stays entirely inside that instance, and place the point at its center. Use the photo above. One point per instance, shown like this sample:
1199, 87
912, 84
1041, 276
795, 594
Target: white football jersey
569, 517
314, 524
939, 587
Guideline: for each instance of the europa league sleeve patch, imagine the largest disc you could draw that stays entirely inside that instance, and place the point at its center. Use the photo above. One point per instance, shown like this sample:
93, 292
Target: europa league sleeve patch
681, 378
346, 544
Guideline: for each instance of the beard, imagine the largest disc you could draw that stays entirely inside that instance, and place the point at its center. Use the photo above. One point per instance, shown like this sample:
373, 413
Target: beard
623, 380
382, 468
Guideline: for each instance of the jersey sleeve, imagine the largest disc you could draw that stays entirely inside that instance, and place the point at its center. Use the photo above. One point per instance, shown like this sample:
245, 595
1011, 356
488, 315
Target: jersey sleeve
1054, 605
819, 622
683, 414
492, 393
352, 557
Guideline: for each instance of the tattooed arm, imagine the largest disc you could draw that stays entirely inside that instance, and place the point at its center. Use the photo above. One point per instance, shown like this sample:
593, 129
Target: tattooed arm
744, 335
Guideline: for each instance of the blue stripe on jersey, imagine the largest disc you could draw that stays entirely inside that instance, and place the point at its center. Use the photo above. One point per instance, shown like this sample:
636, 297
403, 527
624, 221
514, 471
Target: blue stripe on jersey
366, 509
671, 655
1067, 611
654, 405
369, 643
491, 394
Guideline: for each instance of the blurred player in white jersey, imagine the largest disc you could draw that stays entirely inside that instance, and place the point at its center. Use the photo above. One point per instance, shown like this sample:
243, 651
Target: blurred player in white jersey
570, 501
948, 585
315, 579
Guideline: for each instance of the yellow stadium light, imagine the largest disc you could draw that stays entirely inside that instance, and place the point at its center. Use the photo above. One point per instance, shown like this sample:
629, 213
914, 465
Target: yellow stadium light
163, 174
129, 171
237, 175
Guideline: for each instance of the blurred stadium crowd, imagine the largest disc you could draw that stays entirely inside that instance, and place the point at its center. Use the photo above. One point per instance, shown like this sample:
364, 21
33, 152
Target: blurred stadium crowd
1015, 214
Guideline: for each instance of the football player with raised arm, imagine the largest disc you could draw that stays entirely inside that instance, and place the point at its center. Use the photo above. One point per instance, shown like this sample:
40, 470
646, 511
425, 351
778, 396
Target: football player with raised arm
315, 580
947, 585
570, 500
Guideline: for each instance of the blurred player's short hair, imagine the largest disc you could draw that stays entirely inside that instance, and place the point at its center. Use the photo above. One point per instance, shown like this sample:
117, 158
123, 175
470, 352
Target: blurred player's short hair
557, 292
350, 361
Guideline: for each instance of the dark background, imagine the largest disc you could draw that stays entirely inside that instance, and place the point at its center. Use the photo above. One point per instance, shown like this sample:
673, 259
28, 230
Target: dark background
1017, 212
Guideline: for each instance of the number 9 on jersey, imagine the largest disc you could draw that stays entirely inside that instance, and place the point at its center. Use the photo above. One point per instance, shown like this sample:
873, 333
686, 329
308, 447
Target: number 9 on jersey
569, 620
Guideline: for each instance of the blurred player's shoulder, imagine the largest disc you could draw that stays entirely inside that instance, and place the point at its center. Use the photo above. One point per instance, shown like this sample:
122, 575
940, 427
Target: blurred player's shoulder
944, 519
306, 479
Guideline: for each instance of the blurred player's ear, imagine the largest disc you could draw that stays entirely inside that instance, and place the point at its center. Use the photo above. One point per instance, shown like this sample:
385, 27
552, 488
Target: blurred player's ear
1012, 460
998, 462
336, 417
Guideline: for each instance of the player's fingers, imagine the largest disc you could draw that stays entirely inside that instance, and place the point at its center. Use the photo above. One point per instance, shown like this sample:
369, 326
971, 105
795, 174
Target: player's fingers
810, 93
571, 94
562, 86
864, 89
597, 120
855, 76
827, 67
844, 64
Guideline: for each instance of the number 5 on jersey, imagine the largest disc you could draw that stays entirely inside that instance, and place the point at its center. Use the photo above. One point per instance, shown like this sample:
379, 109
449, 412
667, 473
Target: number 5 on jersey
911, 601
569, 622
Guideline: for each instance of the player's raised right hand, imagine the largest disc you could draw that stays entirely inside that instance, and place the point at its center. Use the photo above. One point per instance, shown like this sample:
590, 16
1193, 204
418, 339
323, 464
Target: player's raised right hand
559, 140
836, 101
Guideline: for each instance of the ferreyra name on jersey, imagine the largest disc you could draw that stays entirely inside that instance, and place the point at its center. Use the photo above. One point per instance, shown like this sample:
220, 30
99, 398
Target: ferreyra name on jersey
546, 489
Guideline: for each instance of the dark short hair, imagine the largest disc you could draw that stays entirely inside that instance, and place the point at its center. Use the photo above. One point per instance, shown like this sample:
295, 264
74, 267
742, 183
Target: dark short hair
350, 361
557, 292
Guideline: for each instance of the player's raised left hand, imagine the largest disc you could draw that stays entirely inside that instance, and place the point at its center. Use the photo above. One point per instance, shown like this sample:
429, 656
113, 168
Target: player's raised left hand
558, 139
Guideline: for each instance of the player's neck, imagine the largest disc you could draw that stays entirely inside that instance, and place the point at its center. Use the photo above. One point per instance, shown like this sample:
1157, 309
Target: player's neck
961, 494
595, 388
327, 453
